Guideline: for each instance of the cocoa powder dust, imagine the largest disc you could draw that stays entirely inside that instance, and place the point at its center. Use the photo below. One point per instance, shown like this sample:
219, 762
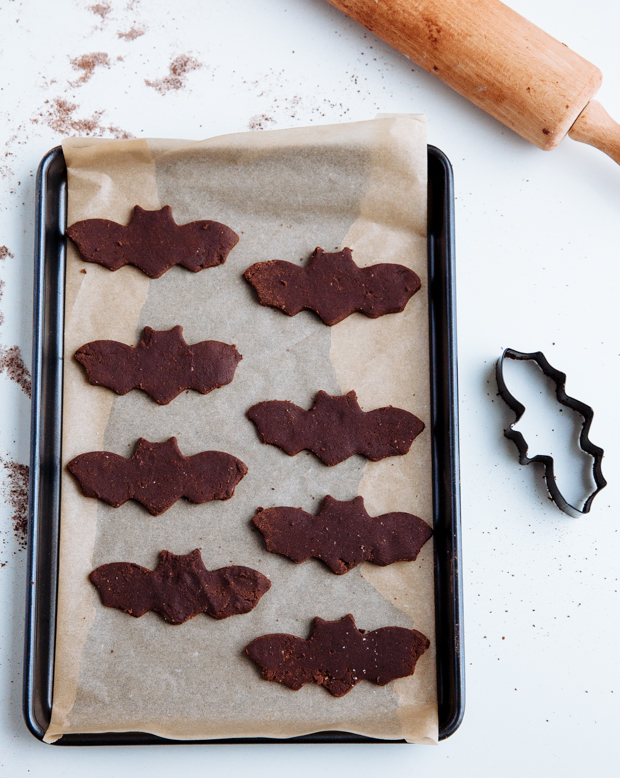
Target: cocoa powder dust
100, 9
11, 361
4, 253
177, 74
59, 115
86, 64
130, 35
15, 493
259, 122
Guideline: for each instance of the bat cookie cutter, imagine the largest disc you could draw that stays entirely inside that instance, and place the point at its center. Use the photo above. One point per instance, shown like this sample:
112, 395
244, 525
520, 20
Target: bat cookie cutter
585, 443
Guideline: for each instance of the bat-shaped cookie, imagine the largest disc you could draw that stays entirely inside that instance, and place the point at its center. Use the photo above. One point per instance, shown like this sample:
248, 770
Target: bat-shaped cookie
162, 364
333, 286
157, 475
342, 534
338, 655
179, 588
153, 242
335, 428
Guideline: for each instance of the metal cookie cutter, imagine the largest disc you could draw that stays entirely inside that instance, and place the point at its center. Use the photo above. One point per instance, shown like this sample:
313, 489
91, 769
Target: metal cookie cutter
585, 444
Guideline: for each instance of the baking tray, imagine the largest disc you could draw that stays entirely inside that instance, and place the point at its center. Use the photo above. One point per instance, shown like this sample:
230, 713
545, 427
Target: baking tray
45, 457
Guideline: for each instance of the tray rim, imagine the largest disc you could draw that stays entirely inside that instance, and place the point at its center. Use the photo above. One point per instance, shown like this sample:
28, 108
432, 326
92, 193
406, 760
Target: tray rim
47, 399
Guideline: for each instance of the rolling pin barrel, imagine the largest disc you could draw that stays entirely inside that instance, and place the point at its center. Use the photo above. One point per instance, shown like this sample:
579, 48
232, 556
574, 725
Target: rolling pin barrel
494, 57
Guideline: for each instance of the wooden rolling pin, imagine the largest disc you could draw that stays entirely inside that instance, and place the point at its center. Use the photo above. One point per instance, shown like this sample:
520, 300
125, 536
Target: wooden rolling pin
501, 62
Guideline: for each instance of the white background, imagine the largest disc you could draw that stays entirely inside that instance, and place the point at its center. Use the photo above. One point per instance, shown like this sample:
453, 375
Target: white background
537, 268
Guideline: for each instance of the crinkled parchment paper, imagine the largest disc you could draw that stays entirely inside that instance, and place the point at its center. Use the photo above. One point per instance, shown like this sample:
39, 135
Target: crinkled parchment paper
284, 192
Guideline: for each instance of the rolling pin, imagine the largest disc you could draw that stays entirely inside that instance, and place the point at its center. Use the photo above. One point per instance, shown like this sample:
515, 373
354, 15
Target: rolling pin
501, 62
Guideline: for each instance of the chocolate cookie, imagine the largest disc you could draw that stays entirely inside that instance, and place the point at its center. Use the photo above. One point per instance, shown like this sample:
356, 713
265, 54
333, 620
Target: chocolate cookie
333, 286
342, 534
157, 475
179, 588
338, 655
335, 428
162, 364
153, 242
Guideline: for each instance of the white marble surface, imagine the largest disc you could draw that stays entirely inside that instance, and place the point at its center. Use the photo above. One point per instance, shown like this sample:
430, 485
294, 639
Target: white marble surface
537, 259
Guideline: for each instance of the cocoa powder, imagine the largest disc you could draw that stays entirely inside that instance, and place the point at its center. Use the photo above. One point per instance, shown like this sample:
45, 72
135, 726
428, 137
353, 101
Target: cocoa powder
87, 64
59, 116
130, 35
15, 493
11, 360
177, 75
100, 9
259, 122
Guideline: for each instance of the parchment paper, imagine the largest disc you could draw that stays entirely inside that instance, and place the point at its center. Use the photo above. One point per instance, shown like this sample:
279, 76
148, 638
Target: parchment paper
284, 192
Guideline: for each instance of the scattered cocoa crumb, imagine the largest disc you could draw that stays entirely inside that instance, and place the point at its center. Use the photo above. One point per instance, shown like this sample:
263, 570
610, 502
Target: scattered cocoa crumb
87, 64
11, 361
83, 271
259, 121
15, 494
4, 253
177, 78
59, 116
100, 9
131, 35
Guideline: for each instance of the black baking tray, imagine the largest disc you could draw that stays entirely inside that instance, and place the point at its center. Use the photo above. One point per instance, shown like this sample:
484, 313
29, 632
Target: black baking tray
44, 518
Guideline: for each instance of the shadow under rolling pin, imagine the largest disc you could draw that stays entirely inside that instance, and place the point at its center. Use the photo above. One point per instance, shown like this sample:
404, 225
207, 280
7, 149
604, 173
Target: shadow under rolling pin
501, 62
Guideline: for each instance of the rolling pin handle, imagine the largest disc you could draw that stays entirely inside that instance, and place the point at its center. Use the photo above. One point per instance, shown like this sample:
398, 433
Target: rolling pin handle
596, 127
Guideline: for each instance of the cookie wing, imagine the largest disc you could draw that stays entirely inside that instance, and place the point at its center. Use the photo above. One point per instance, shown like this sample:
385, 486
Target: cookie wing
204, 244
100, 241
